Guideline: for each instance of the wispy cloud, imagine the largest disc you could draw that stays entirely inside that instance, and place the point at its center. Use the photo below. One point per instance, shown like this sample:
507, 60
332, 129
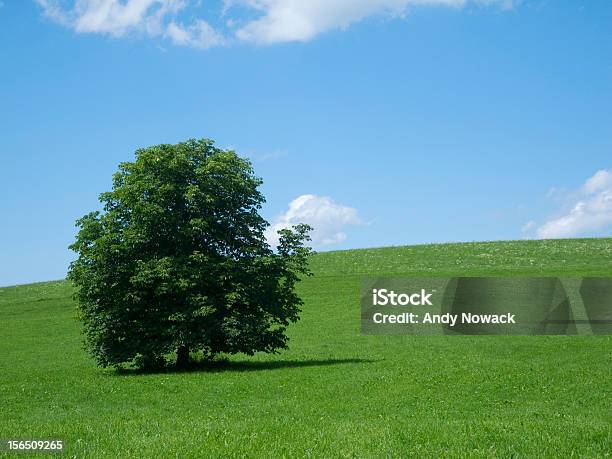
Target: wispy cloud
198, 35
274, 21
588, 210
328, 218
113, 17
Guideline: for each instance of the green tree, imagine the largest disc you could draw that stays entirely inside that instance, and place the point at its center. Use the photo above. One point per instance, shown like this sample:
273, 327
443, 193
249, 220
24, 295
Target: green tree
177, 261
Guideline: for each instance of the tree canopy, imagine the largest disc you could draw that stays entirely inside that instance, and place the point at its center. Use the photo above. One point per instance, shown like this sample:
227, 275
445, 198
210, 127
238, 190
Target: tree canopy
177, 261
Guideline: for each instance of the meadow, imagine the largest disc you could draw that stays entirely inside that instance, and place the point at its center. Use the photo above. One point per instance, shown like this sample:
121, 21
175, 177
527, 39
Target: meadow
335, 392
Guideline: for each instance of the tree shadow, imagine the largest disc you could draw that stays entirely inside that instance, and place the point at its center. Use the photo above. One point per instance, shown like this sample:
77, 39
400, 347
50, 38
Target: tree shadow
225, 365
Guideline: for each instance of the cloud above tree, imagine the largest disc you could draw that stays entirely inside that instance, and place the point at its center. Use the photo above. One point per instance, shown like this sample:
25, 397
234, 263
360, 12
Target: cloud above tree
328, 218
261, 22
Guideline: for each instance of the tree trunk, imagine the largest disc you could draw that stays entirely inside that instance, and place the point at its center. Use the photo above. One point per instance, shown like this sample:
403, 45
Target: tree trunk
182, 356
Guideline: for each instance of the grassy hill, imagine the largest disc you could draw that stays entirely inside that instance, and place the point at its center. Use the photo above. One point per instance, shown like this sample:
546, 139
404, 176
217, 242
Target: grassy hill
335, 393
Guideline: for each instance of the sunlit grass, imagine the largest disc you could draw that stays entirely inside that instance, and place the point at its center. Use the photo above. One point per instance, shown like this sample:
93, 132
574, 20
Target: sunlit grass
335, 393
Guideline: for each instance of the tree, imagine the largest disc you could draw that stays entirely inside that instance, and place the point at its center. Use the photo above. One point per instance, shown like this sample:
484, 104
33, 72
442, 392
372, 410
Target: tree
177, 261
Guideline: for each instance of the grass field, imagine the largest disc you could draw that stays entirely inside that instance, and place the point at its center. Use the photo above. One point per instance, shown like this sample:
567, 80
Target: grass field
335, 393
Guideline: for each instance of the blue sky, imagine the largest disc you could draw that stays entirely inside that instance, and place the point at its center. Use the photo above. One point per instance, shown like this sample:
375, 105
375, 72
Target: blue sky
380, 122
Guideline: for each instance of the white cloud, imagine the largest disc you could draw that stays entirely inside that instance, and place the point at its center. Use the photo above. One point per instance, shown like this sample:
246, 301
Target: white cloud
112, 17
327, 217
275, 21
300, 20
198, 35
589, 211
602, 180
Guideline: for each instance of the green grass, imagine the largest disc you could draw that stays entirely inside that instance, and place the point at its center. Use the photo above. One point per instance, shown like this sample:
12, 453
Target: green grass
335, 393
